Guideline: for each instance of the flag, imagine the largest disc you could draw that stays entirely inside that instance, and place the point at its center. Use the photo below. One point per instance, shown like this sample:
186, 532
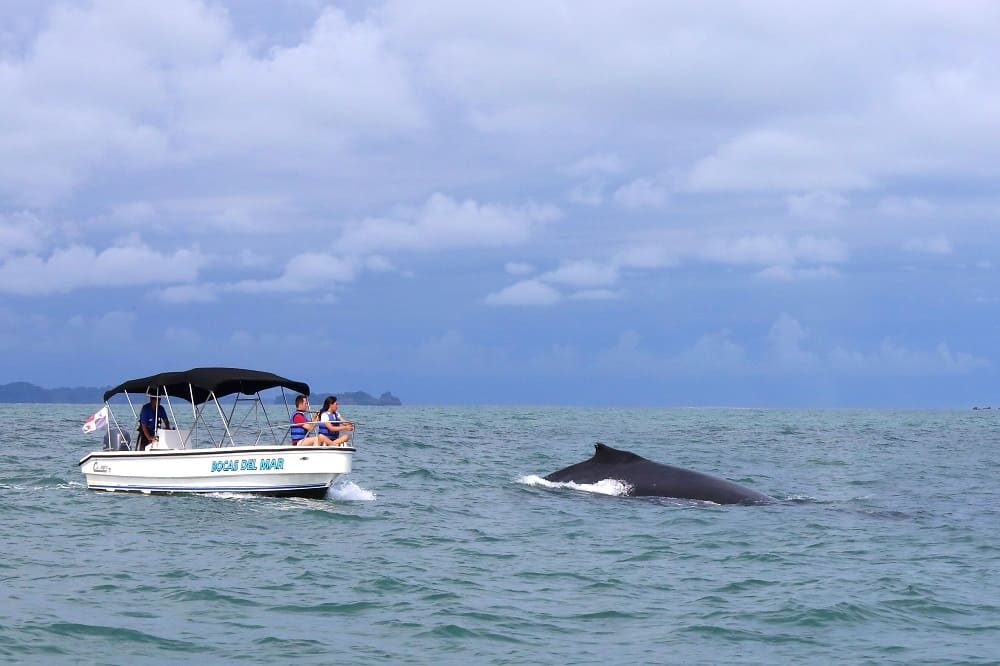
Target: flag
97, 421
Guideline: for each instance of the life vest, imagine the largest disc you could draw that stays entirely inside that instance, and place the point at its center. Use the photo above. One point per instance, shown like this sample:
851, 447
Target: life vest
334, 420
298, 431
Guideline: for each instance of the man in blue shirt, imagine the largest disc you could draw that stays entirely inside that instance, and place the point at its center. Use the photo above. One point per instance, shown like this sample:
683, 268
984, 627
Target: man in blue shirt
151, 417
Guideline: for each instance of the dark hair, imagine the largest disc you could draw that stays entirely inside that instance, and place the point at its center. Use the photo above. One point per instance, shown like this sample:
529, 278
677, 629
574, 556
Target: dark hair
299, 400
330, 399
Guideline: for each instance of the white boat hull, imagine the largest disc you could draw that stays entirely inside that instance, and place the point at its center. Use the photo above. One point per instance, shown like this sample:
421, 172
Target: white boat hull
264, 470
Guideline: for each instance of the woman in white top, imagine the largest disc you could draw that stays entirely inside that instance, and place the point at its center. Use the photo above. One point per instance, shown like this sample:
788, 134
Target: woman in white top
331, 425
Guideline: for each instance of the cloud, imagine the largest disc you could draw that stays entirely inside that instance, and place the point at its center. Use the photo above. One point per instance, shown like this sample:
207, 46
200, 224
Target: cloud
341, 82
775, 250
114, 326
20, 233
642, 193
937, 244
78, 266
166, 86
582, 273
443, 223
904, 207
816, 205
650, 254
597, 164
896, 359
378, 264
588, 193
306, 272
778, 160
715, 350
785, 343
525, 292
518, 268
792, 274
187, 293
451, 352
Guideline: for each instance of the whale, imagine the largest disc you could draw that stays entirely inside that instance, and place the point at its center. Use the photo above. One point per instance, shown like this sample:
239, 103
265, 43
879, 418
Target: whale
645, 478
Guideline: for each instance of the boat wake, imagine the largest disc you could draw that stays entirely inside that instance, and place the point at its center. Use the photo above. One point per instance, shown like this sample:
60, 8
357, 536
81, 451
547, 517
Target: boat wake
350, 492
602, 487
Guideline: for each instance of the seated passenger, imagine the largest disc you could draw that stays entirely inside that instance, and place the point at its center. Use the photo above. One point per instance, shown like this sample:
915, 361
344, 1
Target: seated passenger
331, 425
302, 425
151, 416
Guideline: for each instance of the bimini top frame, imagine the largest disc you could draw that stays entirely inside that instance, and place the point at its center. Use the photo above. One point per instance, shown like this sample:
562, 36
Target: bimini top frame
202, 385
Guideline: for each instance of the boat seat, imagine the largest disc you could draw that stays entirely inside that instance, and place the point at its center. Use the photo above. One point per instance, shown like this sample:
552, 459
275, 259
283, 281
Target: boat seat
178, 438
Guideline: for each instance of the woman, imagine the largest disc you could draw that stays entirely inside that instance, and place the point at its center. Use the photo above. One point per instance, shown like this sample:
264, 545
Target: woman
331, 425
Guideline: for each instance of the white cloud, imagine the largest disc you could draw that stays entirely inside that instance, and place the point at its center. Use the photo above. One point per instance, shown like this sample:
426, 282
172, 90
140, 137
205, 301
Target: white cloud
904, 207
642, 193
791, 273
21, 232
588, 193
518, 268
340, 82
775, 250
896, 359
306, 272
937, 244
650, 254
582, 273
451, 351
443, 223
778, 160
525, 292
187, 293
816, 205
378, 264
78, 266
110, 87
715, 350
597, 164
785, 341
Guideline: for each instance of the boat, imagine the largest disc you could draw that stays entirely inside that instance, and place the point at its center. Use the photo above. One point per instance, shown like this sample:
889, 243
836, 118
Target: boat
226, 443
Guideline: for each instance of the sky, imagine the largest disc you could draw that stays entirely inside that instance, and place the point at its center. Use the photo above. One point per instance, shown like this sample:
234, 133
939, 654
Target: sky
549, 202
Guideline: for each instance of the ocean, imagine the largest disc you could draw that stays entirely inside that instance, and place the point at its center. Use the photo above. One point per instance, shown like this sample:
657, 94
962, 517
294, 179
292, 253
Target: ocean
445, 546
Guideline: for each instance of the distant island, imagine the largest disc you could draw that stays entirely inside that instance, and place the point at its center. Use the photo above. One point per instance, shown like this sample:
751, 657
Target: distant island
25, 392
81, 395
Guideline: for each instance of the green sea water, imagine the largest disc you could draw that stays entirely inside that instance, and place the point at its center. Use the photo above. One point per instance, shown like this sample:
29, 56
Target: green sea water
444, 546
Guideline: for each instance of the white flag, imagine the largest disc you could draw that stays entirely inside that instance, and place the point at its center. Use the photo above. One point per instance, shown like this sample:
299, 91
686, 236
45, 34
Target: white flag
97, 421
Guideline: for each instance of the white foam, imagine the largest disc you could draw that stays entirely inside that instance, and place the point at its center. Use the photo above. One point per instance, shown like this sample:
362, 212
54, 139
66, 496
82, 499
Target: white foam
350, 492
602, 487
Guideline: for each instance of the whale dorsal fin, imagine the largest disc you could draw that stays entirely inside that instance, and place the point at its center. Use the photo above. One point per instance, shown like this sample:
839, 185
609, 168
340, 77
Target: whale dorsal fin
606, 455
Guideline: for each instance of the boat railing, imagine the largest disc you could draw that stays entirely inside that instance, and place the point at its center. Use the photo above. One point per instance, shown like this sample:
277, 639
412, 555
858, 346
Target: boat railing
351, 434
244, 422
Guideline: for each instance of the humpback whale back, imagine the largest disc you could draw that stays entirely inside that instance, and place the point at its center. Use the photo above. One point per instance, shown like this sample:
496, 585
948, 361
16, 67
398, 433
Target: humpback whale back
605, 455
647, 478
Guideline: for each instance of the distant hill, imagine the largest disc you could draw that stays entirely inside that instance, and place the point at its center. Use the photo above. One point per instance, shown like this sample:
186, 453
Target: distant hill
352, 398
25, 392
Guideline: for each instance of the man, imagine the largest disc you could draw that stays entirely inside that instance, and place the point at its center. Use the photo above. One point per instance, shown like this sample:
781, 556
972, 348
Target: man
301, 425
151, 416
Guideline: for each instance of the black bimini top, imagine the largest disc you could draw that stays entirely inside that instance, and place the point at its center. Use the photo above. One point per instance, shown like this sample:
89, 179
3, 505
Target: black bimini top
205, 381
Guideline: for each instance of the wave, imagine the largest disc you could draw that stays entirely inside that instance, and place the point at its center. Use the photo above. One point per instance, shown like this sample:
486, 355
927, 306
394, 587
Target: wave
602, 487
350, 492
